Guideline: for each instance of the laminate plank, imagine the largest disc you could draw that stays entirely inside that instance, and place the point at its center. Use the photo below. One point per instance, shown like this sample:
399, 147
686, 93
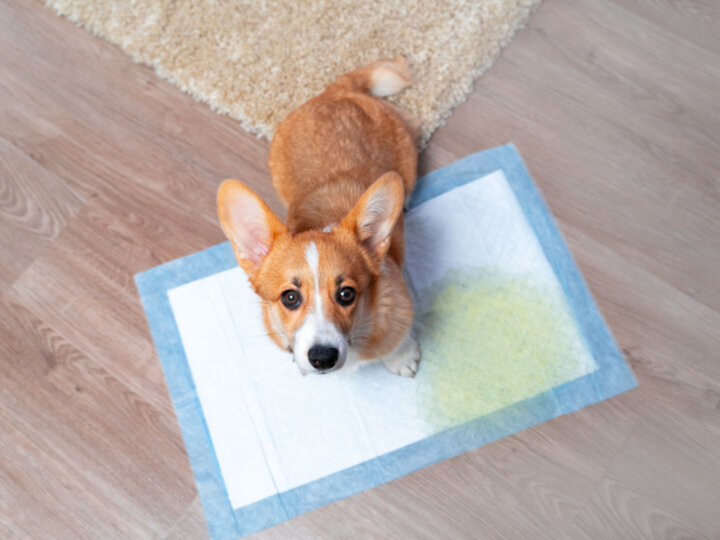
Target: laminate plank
696, 21
83, 284
34, 208
190, 525
84, 456
681, 500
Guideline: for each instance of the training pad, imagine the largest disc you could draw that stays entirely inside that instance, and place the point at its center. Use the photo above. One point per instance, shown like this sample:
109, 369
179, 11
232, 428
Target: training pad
509, 335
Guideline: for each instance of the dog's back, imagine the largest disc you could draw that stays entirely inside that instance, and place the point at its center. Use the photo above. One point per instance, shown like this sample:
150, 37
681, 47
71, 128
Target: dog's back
325, 154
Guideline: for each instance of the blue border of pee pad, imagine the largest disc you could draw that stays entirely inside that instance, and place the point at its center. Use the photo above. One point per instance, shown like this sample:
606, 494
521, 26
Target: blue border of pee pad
612, 377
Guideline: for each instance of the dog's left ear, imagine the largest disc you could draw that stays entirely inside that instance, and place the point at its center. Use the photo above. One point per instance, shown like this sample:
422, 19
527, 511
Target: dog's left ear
375, 214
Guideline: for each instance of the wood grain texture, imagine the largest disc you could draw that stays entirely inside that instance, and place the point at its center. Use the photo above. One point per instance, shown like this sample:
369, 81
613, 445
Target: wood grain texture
35, 206
106, 171
694, 21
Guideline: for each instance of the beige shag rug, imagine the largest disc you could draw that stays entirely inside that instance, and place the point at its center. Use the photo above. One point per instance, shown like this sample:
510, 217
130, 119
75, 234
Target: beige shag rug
257, 60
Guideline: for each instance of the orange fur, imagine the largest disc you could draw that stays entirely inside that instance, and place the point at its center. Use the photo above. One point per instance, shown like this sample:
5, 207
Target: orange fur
338, 161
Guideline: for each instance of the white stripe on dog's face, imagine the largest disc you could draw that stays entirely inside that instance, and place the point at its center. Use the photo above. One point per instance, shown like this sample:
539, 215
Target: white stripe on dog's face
312, 257
317, 330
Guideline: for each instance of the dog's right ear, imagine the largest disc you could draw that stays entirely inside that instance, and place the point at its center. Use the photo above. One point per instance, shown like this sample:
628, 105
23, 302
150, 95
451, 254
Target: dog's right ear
248, 223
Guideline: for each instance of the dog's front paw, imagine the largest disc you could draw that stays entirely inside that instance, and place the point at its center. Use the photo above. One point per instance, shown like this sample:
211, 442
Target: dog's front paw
404, 359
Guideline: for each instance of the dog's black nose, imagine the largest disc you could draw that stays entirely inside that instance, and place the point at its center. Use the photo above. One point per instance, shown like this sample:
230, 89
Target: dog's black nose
322, 357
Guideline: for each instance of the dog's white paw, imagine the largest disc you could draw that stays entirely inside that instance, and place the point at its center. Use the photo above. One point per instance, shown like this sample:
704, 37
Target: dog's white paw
404, 359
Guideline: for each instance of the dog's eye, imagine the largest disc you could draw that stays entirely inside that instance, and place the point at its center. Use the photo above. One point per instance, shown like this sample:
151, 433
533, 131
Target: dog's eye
291, 299
346, 296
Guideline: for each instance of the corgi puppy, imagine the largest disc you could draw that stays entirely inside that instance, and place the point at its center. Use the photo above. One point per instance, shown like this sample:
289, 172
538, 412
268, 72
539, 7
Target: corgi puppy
330, 279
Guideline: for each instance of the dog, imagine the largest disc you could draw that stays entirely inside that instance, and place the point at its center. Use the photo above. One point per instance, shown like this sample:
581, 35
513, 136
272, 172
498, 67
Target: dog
330, 279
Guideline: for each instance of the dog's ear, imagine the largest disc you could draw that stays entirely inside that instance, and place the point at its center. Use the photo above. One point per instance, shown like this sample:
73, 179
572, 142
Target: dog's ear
248, 223
374, 216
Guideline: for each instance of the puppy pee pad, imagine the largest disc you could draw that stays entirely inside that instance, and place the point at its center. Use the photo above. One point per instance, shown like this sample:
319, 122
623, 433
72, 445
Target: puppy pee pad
509, 335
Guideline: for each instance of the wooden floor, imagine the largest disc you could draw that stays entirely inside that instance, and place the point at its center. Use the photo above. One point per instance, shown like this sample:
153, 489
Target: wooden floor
105, 171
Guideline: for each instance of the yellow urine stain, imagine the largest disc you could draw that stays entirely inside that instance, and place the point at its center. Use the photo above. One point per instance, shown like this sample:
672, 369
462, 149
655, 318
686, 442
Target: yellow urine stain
491, 340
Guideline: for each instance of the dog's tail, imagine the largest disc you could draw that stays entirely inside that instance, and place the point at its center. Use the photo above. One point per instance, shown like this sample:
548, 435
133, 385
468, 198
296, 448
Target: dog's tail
381, 78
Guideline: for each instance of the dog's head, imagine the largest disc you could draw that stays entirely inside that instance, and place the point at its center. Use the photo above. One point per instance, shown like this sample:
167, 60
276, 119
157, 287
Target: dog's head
313, 284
